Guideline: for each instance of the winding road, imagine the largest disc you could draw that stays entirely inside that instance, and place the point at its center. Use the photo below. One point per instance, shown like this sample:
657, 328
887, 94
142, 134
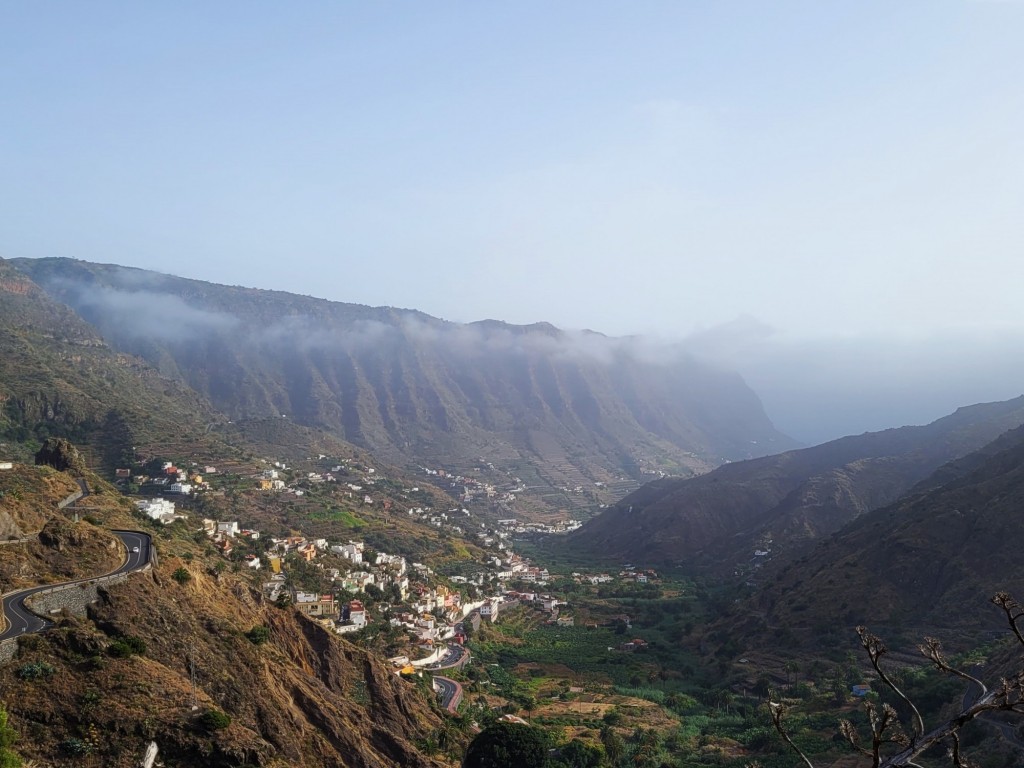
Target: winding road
450, 692
453, 657
20, 620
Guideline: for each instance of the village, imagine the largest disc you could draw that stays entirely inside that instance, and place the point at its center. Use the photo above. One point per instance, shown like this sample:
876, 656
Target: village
346, 586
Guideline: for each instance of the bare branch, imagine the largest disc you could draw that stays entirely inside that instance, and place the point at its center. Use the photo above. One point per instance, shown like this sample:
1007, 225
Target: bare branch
876, 650
1014, 612
778, 712
884, 722
849, 733
958, 758
931, 649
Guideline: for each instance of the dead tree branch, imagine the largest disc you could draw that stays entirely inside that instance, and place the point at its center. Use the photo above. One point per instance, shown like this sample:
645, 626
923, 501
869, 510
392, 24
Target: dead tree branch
886, 730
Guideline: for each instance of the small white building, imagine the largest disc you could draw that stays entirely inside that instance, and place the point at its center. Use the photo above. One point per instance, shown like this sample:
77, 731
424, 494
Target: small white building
353, 551
489, 610
160, 510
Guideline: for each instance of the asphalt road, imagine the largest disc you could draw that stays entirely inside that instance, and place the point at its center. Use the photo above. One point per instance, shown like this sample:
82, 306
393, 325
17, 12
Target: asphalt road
448, 689
451, 657
21, 621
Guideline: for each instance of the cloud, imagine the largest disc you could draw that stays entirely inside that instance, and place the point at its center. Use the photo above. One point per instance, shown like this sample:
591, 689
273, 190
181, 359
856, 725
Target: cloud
814, 389
149, 314
307, 333
818, 389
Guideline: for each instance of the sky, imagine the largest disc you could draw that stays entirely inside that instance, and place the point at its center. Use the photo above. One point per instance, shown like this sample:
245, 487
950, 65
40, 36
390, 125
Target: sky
849, 175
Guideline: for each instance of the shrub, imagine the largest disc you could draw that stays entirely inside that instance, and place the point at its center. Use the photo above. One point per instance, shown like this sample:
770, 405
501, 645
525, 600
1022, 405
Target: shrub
127, 645
8, 757
77, 747
258, 635
524, 746
35, 670
214, 720
181, 575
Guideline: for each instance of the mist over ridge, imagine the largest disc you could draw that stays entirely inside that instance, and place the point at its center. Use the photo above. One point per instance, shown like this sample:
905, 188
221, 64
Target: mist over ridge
581, 416
819, 388
814, 388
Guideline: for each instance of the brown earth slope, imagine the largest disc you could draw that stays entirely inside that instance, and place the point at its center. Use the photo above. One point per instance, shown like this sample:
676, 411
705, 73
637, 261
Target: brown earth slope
304, 697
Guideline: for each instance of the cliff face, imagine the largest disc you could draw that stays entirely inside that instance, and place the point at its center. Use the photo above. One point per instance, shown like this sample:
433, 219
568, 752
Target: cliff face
576, 408
304, 697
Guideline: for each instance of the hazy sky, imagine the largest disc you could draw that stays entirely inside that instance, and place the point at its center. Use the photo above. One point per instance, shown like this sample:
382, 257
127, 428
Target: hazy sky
833, 169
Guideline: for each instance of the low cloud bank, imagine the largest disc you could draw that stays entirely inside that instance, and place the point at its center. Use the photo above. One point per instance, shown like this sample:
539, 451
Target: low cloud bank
814, 389
819, 389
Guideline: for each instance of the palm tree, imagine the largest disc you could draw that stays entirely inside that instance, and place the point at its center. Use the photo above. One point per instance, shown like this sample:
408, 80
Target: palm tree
793, 668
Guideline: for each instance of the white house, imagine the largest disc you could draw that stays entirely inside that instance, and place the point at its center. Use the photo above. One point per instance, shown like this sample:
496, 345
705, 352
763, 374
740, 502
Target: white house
160, 510
489, 610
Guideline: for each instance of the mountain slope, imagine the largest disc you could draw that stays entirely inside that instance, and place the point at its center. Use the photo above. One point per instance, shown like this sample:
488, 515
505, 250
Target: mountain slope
930, 560
58, 377
560, 409
304, 697
721, 517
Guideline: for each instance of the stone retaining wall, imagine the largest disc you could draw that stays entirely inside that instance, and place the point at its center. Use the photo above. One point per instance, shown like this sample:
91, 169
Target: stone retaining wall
8, 648
75, 598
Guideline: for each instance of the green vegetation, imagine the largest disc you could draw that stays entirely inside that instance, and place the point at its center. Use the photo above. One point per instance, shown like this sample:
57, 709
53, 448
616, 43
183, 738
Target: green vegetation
508, 744
76, 747
8, 757
181, 575
214, 720
258, 635
35, 670
345, 517
683, 699
127, 645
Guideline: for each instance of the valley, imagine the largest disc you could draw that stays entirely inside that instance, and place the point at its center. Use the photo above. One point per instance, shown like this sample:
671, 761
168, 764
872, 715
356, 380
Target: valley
373, 568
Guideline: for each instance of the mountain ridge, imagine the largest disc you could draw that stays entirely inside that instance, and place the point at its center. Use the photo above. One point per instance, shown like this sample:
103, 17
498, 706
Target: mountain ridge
559, 409
720, 518
953, 541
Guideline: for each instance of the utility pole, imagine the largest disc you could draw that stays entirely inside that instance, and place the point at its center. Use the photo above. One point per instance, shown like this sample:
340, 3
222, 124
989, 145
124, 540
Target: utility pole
192, 671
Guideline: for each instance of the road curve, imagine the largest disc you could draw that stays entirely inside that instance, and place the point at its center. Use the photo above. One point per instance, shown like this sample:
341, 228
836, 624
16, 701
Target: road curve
453, 657
21, 621
450, 692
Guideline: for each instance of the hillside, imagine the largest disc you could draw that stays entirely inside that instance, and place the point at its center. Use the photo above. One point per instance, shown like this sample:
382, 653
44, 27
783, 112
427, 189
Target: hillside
552, 408
929, 561
58, 377
304, 697
780, 503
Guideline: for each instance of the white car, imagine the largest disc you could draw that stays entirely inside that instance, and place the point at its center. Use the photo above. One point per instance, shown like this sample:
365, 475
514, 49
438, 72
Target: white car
135, 549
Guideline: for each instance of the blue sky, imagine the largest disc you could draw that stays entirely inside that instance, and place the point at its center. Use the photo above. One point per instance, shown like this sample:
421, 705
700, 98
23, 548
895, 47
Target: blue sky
835, 170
